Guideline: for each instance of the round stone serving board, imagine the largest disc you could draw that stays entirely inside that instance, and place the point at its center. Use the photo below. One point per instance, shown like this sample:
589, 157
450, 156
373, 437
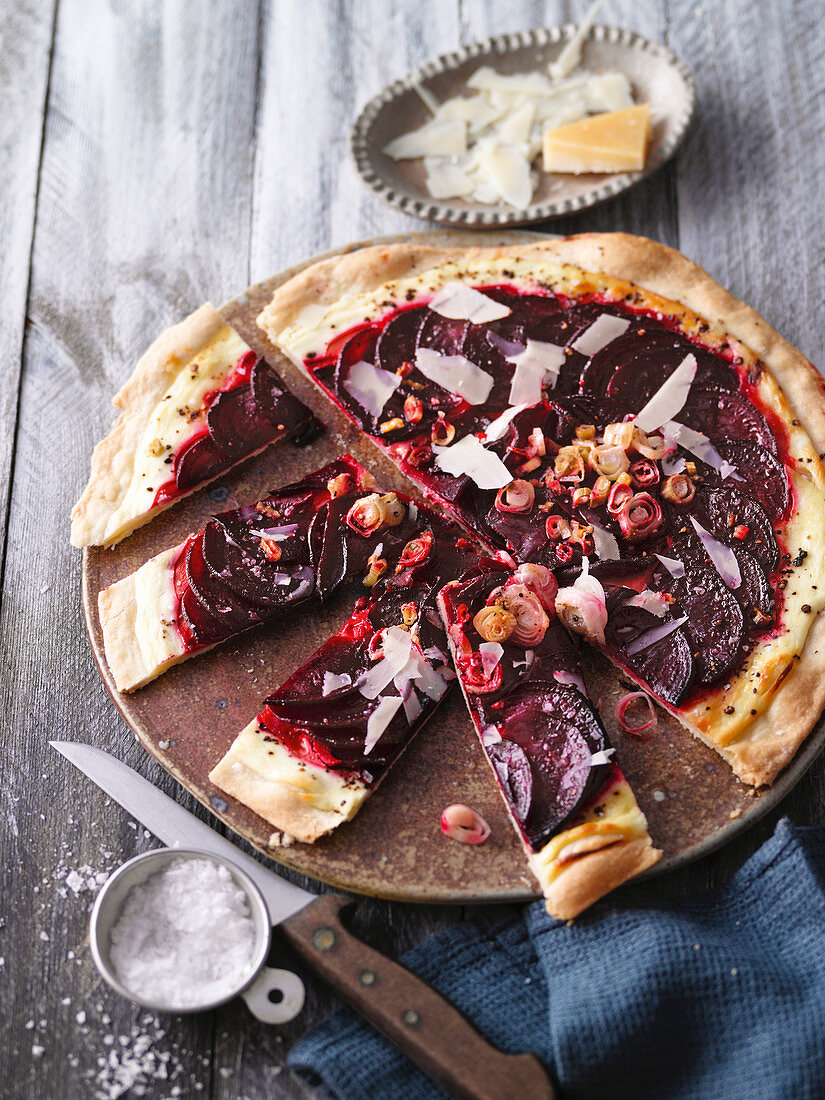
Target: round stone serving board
394, 848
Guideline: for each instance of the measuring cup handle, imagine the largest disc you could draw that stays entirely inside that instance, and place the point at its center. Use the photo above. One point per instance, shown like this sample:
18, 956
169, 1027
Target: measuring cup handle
280, 1009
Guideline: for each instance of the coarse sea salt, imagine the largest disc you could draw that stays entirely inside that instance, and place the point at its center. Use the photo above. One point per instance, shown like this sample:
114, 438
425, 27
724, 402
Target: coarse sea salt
185, 937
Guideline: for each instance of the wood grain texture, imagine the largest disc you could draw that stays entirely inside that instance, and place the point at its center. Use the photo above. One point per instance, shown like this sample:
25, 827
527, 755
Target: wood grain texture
190, 149
26, 39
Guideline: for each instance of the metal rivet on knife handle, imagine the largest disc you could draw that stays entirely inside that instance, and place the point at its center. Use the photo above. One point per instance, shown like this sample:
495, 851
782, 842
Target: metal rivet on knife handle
323, 938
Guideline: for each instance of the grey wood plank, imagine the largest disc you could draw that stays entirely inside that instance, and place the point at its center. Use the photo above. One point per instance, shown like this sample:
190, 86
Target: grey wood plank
749, 206
321, 62
24, 72
144, 211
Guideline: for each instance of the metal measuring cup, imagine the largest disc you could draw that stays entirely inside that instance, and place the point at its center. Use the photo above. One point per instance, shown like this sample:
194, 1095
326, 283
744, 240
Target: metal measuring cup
273, 995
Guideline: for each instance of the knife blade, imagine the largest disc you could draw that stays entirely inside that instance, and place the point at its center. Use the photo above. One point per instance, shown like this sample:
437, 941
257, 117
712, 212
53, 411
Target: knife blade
405, 1009
176, 827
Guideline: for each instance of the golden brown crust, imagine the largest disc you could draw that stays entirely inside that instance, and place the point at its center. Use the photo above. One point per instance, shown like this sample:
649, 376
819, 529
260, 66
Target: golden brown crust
591, 876
139, 639
756, 748
113, 457
276, 803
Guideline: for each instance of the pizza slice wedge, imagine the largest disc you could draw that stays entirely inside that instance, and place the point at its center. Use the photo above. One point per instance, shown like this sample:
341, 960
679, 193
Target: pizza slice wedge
248, 565
199, 401
325, 739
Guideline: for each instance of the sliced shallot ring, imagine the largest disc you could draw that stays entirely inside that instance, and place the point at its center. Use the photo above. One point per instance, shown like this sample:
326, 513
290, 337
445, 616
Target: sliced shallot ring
627, 701
463, 824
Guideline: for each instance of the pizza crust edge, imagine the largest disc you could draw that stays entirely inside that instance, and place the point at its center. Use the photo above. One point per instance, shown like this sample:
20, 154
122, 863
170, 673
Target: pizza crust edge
137, 399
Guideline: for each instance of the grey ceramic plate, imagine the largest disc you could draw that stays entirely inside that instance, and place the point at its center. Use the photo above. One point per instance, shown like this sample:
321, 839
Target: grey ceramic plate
657, 77
188, 718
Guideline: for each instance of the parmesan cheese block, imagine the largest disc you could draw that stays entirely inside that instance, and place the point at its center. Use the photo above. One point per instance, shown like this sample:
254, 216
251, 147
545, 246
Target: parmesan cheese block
612, 142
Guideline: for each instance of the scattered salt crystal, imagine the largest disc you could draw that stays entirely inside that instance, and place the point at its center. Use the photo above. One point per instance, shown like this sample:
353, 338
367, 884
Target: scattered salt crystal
74, 882
184, 937
44, 936
81, 1017
37, 1050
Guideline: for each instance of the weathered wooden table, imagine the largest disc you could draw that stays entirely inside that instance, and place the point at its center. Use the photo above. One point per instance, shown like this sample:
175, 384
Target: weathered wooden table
155, 155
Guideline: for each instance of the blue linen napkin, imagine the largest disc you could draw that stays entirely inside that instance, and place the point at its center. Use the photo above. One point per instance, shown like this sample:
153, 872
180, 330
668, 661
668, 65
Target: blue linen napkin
716, 997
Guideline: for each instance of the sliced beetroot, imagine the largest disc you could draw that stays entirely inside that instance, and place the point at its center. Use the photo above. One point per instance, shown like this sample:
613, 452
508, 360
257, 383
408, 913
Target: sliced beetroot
722, 509
361, 345
442, 334
758, 473
755, 594
199, 625
275, 402
554, 729
397, 343
715, 623
237, 424
225, 606
340, 551
666, 667
589, 409
723, 414
554, 419
199, 460
542, 317
248, 576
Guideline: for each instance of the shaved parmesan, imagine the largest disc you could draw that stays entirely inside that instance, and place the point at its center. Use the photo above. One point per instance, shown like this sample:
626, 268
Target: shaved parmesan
601, 757
490, 736
396, 647
604, 542
723, 558
412, 705
650, 637
602, 332
277, 534
588, 583
529, 657
447, 181
460, 302
455, 374
608, 92
491, 654
533, 365
440, 136
508, 169
516, 126
572, 679
498, 427
670, 398
651, 601
427, 97
379, 720
469, 457
673, 566
333, 681
699, 445
371, 386
571, 55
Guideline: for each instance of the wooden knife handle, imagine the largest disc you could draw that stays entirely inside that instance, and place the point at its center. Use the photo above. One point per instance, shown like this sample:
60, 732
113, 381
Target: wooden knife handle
410, 1013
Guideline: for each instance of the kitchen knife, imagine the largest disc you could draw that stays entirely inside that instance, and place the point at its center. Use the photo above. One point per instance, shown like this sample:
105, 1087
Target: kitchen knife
410, 1013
